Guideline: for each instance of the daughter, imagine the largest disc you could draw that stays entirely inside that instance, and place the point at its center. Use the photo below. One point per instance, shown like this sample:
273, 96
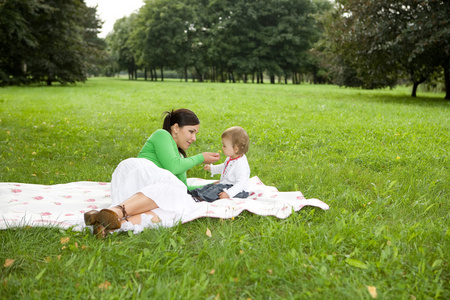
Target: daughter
235, 171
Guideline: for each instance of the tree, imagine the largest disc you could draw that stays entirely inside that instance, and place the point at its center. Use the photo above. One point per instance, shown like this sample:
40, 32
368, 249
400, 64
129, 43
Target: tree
386, 40
45, 40
122, 46
17, 38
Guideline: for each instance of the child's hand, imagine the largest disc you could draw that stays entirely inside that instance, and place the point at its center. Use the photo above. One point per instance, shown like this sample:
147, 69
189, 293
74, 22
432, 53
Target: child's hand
223, 195
207, 167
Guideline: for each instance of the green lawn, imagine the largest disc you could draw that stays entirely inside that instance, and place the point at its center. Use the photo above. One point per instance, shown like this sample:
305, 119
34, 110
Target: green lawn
378, 158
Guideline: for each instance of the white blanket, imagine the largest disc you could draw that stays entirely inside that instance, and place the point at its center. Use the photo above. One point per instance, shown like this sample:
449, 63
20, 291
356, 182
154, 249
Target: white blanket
63, 205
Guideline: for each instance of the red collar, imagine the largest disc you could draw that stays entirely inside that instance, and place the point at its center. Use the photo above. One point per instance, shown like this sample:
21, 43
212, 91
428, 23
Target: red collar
231, 159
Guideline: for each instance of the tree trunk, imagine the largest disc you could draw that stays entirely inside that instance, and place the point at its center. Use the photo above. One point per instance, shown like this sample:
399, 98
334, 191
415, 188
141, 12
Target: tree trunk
414, 89
447, 81
415, 85
145, 73
162, 74
49, 81
262, 77
272, 79
185, 74
155, 75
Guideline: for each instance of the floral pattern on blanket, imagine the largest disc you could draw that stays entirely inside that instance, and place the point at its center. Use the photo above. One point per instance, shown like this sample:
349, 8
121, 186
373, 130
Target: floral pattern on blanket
63, 205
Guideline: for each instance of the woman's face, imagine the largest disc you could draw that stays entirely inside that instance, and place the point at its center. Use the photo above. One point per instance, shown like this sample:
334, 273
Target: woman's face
184, 136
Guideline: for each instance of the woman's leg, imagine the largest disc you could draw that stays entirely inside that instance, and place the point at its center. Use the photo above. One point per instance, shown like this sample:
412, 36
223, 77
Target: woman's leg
135, 205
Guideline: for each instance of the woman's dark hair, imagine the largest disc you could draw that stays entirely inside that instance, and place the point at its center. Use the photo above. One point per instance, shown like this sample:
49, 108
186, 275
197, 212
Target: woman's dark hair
182, 117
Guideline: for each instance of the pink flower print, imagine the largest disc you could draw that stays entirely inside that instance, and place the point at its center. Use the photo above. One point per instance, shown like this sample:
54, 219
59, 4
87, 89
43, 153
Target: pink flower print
24, 203
273, 196
57, 203
253, 193
16, 184
38, 197
300, 197
92, 206
16, 191
107, 196
102, 183
260, 194
46, 213
14, 200
82, 211
68, 215
210, 212
67, 197
90, 200
259, 183
255, 198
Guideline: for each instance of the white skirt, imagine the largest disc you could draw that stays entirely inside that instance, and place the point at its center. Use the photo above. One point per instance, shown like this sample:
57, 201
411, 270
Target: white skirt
135, 175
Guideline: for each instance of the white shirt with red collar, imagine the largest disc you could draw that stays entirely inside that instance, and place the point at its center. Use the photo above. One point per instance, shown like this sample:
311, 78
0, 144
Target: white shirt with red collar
233, 171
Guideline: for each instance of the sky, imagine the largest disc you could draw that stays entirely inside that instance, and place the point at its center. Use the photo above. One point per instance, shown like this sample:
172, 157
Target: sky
111, 10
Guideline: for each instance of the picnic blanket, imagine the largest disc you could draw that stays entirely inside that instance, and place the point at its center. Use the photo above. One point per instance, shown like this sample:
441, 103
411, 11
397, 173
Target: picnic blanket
63, 205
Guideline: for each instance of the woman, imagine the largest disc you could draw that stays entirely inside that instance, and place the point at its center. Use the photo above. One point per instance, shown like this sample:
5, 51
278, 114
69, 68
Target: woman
155, 182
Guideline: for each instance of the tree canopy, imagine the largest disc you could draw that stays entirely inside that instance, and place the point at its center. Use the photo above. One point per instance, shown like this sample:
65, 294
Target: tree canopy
385, 40
222, 40
49, 41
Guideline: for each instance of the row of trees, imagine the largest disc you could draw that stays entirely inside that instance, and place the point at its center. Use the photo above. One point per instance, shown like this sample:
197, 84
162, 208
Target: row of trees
221, 40
370, 44
374, 44
48, 41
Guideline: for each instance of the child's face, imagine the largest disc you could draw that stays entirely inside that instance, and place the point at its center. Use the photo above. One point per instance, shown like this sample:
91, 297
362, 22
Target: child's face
228, 148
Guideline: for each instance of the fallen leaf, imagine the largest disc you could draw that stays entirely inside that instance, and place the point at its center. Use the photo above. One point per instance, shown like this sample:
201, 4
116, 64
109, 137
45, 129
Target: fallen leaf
241, 251
137, 275
76, 245
212, 271
104, 285
270, 271
372, 291
48, 259
84, 247
59, 257
208, 232
63, 247
8, 262
65, 240
356, 263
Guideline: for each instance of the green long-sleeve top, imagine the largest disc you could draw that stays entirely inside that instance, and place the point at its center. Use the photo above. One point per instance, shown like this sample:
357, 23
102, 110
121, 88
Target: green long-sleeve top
161, 149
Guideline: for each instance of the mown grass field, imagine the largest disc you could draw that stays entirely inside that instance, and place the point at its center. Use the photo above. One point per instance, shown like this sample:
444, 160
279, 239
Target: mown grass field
379, 158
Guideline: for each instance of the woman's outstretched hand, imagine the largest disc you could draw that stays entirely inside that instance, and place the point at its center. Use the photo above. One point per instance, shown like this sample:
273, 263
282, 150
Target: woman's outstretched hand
210, 157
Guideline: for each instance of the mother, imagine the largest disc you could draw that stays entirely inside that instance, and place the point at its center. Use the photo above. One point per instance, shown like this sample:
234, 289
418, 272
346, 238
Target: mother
154, 183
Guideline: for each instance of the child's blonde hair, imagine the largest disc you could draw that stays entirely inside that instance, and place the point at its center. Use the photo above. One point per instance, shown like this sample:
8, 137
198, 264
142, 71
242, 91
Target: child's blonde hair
239, 138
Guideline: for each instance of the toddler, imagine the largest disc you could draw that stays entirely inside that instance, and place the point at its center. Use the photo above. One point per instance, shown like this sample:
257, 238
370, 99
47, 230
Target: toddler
235, 171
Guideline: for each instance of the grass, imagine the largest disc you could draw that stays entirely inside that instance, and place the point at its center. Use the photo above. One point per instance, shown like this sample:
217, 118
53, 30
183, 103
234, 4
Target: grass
378, 158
